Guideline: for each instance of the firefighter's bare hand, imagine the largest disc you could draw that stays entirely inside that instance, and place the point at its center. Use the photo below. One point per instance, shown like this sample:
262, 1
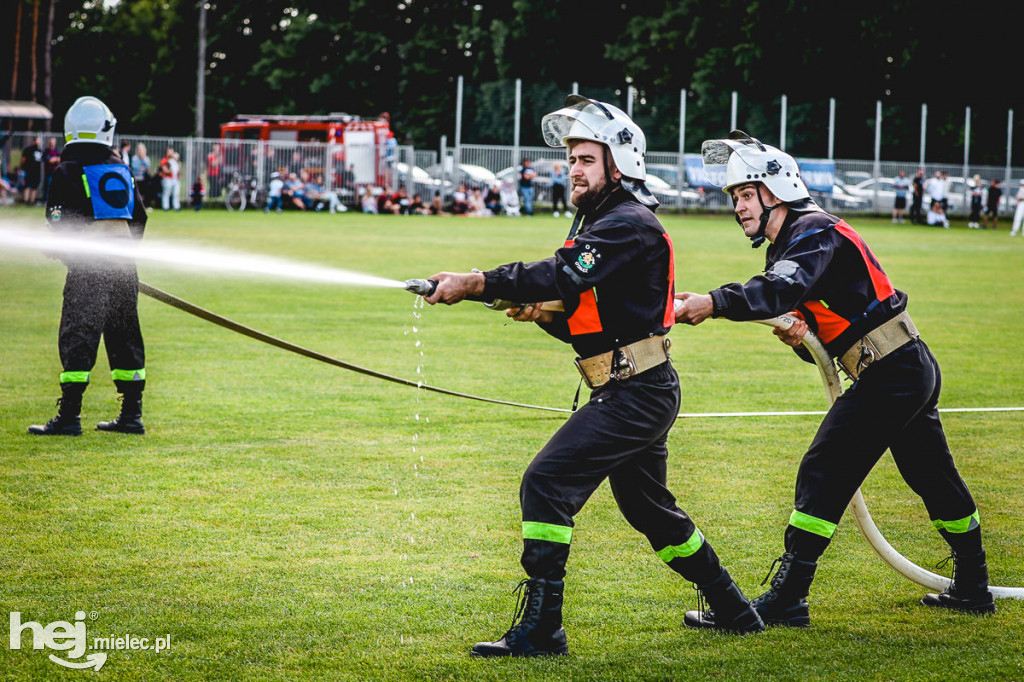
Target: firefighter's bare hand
532, 312
793, 336
453, 287
693, 308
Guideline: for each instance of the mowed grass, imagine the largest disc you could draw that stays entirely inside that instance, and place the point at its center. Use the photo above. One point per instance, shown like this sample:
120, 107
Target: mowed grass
285, 519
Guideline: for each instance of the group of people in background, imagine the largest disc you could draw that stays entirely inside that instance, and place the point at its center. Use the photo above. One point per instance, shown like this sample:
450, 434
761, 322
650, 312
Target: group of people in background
933, 193
300, 191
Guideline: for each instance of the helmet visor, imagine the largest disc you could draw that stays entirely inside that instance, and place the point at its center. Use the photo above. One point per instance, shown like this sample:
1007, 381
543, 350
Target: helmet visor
556, 126
715, 155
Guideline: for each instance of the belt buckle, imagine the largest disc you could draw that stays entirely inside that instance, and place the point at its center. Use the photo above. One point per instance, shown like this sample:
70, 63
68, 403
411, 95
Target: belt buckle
868, 354
623, 364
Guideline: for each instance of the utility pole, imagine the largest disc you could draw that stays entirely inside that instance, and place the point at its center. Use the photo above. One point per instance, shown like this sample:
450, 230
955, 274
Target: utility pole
201, 72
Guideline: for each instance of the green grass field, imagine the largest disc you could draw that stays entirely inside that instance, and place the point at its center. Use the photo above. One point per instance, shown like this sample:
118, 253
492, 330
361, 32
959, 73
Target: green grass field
285, 519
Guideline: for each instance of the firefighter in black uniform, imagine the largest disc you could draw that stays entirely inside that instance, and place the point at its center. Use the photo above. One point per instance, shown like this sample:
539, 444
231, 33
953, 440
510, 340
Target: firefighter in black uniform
821, 271
92, 194
614, 278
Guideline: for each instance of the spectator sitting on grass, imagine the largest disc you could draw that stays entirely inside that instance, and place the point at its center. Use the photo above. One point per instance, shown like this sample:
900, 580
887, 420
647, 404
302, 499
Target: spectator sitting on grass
384, 204
476, 204
417, 207
936, 216
436, 206
295, 191
367, 202
460, 201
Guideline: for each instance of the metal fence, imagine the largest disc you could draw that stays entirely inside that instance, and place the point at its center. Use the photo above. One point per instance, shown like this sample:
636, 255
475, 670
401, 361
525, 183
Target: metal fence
861, 187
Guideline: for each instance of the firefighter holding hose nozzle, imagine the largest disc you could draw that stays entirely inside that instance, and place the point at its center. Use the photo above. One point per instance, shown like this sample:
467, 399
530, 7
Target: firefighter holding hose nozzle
615, 279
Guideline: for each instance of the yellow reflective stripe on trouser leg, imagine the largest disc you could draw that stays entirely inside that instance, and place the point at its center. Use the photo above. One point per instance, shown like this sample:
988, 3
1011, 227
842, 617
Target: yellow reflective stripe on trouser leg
128, 374
535, 530
74, 377
959, 526
812, 524
688, 548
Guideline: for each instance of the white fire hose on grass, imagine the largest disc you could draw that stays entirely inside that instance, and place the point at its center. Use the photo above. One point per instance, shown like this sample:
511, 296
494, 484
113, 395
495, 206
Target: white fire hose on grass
859, 509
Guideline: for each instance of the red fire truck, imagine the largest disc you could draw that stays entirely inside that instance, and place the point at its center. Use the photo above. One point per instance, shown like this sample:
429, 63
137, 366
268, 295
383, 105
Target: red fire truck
354, 145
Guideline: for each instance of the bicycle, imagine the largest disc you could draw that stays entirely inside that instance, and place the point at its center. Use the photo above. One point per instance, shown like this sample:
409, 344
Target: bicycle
243, 192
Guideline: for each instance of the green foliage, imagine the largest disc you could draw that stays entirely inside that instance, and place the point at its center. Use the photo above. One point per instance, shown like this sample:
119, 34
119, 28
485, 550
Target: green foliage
362, 57
283, 519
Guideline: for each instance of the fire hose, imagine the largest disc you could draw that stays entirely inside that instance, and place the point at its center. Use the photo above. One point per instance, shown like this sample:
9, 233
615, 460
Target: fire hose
826, 369
858, 507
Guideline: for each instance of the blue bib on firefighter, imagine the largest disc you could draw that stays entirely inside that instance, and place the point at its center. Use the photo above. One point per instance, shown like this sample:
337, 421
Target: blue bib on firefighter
111, 189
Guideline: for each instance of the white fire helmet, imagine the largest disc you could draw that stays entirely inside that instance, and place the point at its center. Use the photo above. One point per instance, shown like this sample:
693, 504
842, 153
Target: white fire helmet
589, 120
747, 160
89, 120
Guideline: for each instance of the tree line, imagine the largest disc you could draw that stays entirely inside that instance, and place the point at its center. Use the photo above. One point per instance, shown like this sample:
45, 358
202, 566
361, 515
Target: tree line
404, 57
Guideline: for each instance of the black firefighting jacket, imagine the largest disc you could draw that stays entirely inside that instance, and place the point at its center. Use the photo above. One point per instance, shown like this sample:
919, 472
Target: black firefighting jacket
615, 275
93, 183
822, 269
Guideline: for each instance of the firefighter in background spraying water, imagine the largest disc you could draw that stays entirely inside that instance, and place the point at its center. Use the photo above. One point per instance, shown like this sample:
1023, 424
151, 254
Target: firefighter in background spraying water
93, 193
615, 277
819, 267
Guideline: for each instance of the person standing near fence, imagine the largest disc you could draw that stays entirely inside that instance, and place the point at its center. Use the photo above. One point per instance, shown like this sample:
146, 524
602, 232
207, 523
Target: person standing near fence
1018, 213
170, 181
615, 277
977, 195
917, 201
992, 199
819, 270
526, 176
32, 166
558, 181
900, 185
92, 192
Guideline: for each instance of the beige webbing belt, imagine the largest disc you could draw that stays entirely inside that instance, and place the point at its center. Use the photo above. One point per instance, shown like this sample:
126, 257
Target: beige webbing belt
624, 362
878, 343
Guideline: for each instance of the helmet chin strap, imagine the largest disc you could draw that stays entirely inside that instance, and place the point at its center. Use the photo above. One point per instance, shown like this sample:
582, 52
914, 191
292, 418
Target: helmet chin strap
759, 237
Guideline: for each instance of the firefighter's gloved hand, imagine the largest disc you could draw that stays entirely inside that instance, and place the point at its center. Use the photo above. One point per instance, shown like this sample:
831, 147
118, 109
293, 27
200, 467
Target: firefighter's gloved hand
453, 287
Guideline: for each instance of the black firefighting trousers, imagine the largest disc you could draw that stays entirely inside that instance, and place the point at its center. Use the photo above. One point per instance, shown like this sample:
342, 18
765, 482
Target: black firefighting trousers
101, 299
620, 434
893, 405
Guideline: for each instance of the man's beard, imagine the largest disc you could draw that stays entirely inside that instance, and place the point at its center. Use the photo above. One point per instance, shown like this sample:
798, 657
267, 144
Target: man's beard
589, 200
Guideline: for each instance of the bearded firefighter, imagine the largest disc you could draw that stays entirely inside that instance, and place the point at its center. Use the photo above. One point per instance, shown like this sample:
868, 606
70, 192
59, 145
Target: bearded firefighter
615, 279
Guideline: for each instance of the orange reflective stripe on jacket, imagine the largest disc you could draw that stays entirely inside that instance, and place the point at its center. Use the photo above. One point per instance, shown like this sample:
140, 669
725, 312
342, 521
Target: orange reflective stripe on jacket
585, 320
830, 324
670, 304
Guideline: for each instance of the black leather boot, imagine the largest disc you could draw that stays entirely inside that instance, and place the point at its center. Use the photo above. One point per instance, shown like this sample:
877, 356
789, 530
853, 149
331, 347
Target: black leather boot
729, 609
69, 408
130, 419
968, 591
539, 631
785, 602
